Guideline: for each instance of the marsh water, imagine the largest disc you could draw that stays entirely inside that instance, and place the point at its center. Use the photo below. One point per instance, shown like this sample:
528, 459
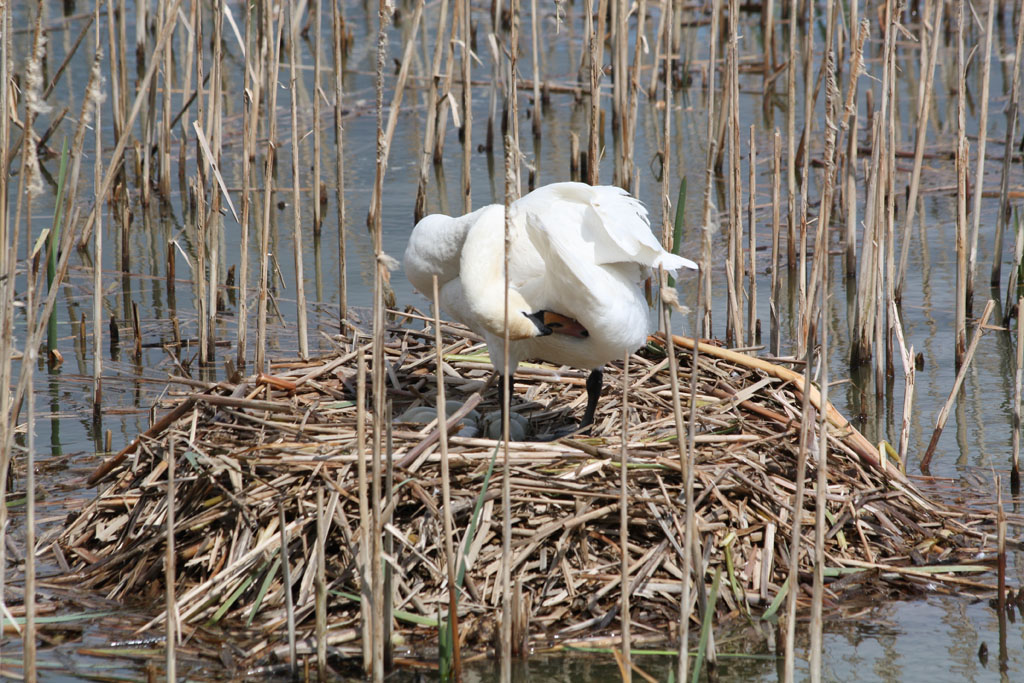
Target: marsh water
930, 637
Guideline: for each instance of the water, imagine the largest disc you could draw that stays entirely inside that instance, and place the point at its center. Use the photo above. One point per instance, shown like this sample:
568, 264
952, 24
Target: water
930, 638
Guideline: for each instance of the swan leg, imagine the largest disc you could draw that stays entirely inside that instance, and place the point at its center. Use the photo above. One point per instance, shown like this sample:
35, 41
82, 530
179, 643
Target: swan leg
594, 383
502, 380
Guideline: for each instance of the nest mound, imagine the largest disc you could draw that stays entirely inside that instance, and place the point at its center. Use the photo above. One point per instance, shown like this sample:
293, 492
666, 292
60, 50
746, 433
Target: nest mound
250, 458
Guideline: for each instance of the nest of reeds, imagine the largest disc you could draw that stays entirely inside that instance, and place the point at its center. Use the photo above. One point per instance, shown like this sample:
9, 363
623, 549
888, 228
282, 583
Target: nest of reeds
251, 457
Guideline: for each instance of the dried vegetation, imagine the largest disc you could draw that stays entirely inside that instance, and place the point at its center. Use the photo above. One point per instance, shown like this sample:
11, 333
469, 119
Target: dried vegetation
249, 451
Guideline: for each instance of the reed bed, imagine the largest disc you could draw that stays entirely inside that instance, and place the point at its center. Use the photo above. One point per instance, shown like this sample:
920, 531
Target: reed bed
256, 464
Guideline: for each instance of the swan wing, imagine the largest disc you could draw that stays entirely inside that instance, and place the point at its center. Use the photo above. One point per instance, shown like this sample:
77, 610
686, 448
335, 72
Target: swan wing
601, 225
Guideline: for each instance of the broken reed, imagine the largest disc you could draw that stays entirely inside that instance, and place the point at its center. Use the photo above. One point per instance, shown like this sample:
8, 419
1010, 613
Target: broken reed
748, 447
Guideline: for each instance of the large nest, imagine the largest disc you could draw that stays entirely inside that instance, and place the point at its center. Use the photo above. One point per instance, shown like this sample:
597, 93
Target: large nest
251, 454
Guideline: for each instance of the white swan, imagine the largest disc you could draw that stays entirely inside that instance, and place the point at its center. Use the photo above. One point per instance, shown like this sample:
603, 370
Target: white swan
578, 254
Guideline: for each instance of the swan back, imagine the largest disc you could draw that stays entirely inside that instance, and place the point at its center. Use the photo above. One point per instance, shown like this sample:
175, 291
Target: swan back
435, 248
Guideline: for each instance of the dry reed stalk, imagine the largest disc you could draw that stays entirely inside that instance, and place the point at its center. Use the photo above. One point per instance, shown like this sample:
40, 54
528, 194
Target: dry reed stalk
735, 265
1018, 378
820, 282
619, 42
1004, 180
681, 441
389, 537
29, 186
365, 519
623, 173
117, 104
603, 14
317, 67
433, 106
339, 159
29, 634
7, 270
666, 144
164, 139
537, 75
773, 299
796, 510
143, 162
909, 372
850, 126
889, 278
791, 139
659, 40
321, 570
634, 95
688, 464
497, 81
881, 253
511, 159
447, 98
188, 48
212, 151
286, 580
300, 284
88, 105
979, 178
252, 79
505, 632
819, 269
393, 111
446, 494
1012, 284
706, 231
377, 378
850, 199
200, 239
1001, 567
752, 241
804, 158
467, 105
768, 31
940, 422
706, 218
593, 153
30, 352
962, 165
270, 49
821, 487
170, 557
627, 668
866, 326
97, 256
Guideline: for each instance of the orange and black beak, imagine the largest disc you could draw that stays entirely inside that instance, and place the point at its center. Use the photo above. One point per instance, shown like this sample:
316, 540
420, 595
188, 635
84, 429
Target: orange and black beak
561, 324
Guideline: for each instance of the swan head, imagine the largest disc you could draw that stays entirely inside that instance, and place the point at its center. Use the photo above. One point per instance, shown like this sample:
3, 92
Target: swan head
525, 323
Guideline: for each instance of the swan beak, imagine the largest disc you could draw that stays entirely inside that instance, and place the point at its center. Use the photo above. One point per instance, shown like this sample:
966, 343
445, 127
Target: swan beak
560, 324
